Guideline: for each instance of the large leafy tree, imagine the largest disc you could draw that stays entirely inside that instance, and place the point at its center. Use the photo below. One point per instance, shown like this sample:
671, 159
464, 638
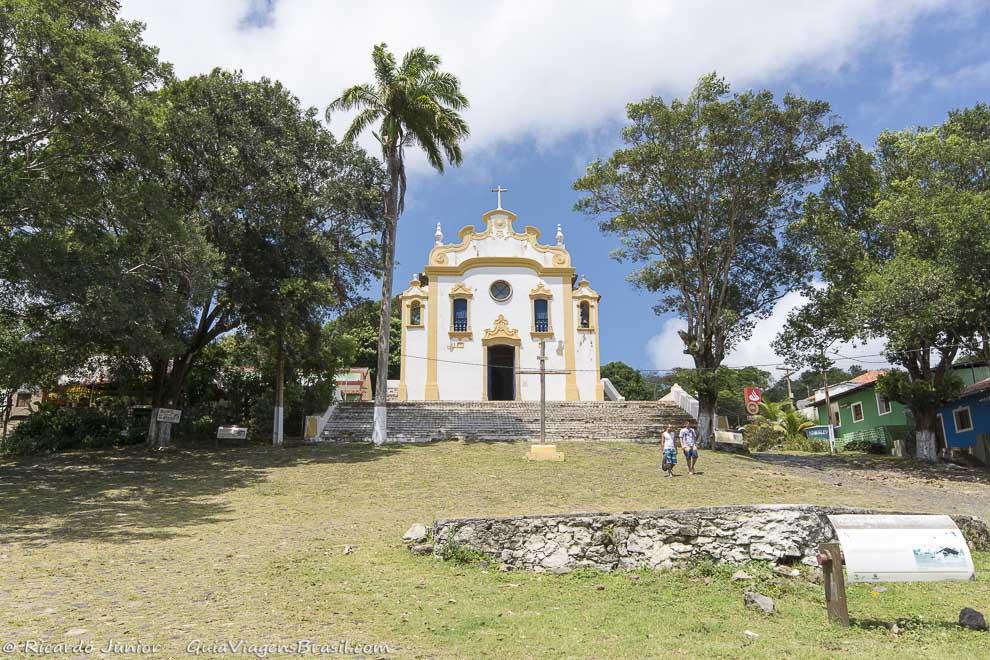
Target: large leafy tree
412, 103
76, 149
700, 195
71, 78
231, 206
284, 209
902, 236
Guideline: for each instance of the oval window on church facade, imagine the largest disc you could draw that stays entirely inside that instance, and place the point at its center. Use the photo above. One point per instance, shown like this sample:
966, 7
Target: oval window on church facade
500, 290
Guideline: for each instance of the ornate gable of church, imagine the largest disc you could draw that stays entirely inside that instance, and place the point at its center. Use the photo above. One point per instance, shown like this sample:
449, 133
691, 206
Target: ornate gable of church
500, 241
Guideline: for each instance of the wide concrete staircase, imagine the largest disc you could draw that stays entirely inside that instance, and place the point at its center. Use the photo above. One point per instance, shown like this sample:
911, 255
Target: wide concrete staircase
634, 421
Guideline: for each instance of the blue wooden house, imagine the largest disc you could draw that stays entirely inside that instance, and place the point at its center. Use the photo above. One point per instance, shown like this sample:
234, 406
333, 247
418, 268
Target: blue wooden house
965, 422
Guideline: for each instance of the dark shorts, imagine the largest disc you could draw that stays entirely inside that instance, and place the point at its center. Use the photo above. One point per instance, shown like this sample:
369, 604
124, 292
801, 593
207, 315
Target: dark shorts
670, 456
691, 452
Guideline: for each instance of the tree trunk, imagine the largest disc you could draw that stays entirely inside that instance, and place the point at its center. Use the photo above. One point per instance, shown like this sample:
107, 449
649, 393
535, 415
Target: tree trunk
277, 437
167, 381
8, 405
706, 420
925, 436
925, 445
380, 433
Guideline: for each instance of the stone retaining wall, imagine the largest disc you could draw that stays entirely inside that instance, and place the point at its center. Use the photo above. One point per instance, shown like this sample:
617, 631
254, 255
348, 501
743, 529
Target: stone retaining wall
654, 539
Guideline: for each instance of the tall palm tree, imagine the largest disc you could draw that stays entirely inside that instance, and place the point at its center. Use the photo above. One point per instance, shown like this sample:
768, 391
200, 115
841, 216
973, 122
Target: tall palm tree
413, 104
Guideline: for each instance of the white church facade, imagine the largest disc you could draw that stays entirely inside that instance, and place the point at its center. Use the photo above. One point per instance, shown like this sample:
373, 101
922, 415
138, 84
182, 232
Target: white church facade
480, 309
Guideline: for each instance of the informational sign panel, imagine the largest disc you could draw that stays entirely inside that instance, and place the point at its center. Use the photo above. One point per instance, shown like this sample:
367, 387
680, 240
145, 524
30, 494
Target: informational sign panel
231, 433
818, 433
753, 397
902, 548
169, 415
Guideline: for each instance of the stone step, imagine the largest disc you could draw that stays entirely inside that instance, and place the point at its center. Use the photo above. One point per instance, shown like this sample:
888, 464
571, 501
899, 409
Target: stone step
640, 421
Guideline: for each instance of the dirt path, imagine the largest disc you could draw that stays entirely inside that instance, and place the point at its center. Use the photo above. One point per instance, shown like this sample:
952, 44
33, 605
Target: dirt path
941, 488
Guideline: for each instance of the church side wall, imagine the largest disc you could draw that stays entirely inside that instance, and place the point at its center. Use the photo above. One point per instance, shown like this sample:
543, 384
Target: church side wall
414, 361
585, 361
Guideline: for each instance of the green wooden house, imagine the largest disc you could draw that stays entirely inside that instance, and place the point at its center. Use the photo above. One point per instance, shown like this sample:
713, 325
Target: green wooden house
858, 412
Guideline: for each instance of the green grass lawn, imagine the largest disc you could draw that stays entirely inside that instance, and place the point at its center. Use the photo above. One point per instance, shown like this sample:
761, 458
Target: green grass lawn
249, 543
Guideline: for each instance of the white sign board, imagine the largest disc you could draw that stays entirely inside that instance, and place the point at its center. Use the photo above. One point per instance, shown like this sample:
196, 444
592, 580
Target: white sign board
169, 415
231, 433
896, 548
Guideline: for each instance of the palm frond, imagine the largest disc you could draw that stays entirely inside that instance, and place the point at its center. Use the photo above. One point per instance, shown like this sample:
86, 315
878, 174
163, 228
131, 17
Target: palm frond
361, 121
446, 88
354, 97
417, 62
384, 62
428, 143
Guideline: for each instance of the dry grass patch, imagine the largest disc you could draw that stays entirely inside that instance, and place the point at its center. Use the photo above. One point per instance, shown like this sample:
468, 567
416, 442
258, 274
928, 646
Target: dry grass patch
248, 543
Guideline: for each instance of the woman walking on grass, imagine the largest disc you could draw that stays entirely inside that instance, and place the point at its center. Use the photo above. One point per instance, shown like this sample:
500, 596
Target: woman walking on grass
669, 451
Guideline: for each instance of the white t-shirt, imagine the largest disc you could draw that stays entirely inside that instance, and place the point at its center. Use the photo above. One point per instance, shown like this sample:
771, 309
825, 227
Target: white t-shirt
688, 438
668, 440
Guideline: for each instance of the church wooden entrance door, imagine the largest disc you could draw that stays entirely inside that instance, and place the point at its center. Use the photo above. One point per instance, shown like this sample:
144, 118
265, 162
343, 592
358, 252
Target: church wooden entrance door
501, 373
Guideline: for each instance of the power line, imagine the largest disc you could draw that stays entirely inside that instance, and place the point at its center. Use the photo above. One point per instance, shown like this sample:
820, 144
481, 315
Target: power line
838, 357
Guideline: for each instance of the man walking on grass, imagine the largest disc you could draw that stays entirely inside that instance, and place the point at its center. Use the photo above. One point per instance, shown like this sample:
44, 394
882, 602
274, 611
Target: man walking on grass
669, 451
689, 443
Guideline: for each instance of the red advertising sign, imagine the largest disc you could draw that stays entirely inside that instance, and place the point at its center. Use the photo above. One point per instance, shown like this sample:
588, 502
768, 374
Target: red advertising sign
753, 397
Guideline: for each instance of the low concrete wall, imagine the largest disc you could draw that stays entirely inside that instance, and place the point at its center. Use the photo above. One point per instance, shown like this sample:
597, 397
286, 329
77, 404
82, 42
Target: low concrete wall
654, 539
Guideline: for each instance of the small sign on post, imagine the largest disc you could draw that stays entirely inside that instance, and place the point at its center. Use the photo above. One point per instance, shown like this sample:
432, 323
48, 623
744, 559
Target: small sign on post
169, 415
890, 548
160, 426
752, 397
231, 433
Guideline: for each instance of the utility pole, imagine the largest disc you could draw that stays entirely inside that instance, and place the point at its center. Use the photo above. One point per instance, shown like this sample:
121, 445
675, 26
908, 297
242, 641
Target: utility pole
828, 411
787, 376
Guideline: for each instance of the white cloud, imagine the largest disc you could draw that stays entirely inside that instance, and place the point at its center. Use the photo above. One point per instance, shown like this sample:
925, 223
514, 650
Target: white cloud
665, 349
533, 70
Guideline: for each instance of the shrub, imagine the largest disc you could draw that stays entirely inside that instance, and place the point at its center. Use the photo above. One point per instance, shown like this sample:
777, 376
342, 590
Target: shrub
51, 430
867, 446
461, 554
761, 436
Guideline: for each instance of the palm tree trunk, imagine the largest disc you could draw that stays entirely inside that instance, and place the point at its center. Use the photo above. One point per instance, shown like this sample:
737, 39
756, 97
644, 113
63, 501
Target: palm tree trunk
277, 437
380, 433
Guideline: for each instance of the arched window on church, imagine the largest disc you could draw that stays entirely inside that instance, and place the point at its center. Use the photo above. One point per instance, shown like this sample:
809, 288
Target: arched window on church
541, 315
585, 314
415, 313
460, 315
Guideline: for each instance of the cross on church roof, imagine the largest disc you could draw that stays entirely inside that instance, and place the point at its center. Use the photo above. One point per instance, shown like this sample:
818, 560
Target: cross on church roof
499, 190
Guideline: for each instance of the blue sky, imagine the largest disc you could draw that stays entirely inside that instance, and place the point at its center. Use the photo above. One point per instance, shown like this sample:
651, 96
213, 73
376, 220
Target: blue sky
548, 82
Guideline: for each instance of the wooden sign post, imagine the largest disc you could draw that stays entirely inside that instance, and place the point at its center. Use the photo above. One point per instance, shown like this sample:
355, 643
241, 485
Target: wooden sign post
830, 559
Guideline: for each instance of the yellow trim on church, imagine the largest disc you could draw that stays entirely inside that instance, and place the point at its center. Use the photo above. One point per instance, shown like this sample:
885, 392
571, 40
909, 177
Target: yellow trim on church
432, 391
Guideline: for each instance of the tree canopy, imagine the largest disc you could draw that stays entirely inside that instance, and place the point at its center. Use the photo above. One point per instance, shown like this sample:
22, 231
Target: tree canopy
145, 217
700, 195
903, 242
